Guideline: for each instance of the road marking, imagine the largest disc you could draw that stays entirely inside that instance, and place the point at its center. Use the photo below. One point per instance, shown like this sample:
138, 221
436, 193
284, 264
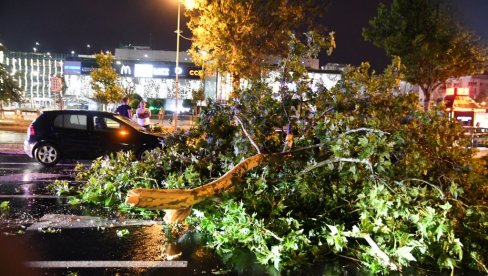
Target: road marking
106, 264
26, 177
37, 164
47, 180
17, 163
32, 196
60, 221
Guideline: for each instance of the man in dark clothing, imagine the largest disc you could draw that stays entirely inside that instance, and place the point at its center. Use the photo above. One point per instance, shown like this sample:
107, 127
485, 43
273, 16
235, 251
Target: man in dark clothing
124, 109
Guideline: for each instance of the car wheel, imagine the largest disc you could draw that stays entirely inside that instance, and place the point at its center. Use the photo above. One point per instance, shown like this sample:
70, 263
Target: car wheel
47, 154
143, 152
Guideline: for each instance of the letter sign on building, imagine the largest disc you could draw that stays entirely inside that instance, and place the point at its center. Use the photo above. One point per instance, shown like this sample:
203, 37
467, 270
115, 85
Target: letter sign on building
195, 72
125, 70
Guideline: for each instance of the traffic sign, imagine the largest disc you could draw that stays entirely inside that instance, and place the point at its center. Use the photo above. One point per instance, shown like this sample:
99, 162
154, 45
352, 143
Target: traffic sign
56, 84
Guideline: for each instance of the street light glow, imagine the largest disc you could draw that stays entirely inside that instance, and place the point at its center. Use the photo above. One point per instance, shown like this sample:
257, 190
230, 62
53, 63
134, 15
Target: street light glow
189, 4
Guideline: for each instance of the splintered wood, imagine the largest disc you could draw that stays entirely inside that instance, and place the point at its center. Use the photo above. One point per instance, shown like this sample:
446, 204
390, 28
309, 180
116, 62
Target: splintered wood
178, 202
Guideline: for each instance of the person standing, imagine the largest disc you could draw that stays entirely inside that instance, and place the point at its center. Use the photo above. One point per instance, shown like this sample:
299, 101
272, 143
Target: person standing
161, 115
124, 109
143, 115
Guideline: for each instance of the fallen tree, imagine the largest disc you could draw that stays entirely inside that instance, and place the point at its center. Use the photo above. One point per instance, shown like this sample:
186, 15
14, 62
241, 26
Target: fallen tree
370, 177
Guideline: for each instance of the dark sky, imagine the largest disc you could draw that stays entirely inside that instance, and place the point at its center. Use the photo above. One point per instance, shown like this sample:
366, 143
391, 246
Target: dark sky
64, 25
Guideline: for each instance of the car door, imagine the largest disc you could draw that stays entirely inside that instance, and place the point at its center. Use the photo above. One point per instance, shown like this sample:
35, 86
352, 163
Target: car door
71, 132
110, 135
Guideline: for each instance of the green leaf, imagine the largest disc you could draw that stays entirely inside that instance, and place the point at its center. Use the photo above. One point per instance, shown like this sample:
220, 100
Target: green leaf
405, 253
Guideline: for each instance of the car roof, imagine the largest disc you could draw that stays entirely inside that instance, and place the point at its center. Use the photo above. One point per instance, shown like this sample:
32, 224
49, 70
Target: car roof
77, 111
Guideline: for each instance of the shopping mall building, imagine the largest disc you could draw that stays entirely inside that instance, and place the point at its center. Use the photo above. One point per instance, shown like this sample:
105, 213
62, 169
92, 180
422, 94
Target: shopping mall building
149, 73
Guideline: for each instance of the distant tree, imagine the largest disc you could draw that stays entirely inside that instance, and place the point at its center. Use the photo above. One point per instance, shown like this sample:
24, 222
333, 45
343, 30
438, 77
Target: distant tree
244, 37
134, 103
135, 96
188, 103
10, 90
156, 103
432, 46
105, 81
134, 100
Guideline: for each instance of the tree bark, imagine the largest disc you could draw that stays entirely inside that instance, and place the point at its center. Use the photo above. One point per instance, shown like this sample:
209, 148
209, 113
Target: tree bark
184, 198
180, 201
427, 95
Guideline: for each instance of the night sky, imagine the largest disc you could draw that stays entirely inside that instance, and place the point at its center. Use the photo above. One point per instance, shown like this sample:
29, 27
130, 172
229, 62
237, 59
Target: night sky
61, 26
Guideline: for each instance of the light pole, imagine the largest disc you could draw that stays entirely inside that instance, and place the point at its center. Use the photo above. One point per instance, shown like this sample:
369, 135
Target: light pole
177, 71
203, 53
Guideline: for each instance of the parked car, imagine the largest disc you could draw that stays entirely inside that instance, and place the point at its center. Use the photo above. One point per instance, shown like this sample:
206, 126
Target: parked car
85, 134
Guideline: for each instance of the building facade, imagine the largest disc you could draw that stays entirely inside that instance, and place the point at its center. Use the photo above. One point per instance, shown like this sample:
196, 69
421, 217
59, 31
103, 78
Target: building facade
146, 72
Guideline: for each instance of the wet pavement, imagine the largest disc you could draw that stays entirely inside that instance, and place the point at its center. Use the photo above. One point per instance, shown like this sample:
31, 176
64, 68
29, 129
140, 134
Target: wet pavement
41, 234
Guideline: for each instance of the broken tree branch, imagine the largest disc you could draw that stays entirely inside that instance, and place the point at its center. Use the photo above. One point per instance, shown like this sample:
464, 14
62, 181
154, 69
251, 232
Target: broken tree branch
247, 134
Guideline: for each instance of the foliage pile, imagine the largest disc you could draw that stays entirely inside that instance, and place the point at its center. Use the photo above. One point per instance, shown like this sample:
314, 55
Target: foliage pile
370, 177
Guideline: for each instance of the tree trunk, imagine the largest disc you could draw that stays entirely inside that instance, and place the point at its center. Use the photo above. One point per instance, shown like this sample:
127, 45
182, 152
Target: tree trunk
184, 198
180, 201
236, 83
427, 95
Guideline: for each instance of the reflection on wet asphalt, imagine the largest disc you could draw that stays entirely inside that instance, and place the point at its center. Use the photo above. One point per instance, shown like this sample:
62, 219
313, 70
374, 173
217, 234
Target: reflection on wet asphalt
33, 227
23, 183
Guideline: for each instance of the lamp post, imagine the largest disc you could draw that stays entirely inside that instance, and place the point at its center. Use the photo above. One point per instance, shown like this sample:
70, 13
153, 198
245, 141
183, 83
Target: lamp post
203, 53
177, 71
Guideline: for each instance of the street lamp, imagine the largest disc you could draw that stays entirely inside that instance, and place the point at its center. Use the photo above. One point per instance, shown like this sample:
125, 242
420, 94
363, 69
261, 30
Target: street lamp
178, 32
189, 4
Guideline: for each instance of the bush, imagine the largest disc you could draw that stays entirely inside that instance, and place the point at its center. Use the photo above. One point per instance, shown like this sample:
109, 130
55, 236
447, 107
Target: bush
134, 104
156, 103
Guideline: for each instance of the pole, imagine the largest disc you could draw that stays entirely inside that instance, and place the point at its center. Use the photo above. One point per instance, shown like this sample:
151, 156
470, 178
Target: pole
175, 115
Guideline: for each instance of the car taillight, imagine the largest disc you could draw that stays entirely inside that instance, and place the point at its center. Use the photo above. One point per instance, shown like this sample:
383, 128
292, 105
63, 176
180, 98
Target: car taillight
31, 131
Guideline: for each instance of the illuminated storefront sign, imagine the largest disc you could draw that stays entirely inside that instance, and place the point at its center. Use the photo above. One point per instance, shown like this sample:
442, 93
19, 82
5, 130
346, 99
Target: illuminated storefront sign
143, 70
138, 70
125, 70
72, 67
150, 70
461, 91
178, 70
195, 73
87, 70
161, 71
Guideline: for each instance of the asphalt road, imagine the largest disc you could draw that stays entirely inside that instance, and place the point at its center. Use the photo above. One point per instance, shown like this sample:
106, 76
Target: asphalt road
41, 234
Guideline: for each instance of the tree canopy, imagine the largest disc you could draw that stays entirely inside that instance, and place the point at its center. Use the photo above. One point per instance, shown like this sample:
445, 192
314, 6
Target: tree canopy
9, 88
431, 44
244, 37
105, 81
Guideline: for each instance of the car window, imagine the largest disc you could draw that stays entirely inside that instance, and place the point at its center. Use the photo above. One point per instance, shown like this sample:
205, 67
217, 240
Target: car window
105, 124
71, 121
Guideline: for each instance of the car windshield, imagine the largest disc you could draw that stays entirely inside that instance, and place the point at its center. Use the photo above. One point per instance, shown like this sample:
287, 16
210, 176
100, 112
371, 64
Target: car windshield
131, 123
